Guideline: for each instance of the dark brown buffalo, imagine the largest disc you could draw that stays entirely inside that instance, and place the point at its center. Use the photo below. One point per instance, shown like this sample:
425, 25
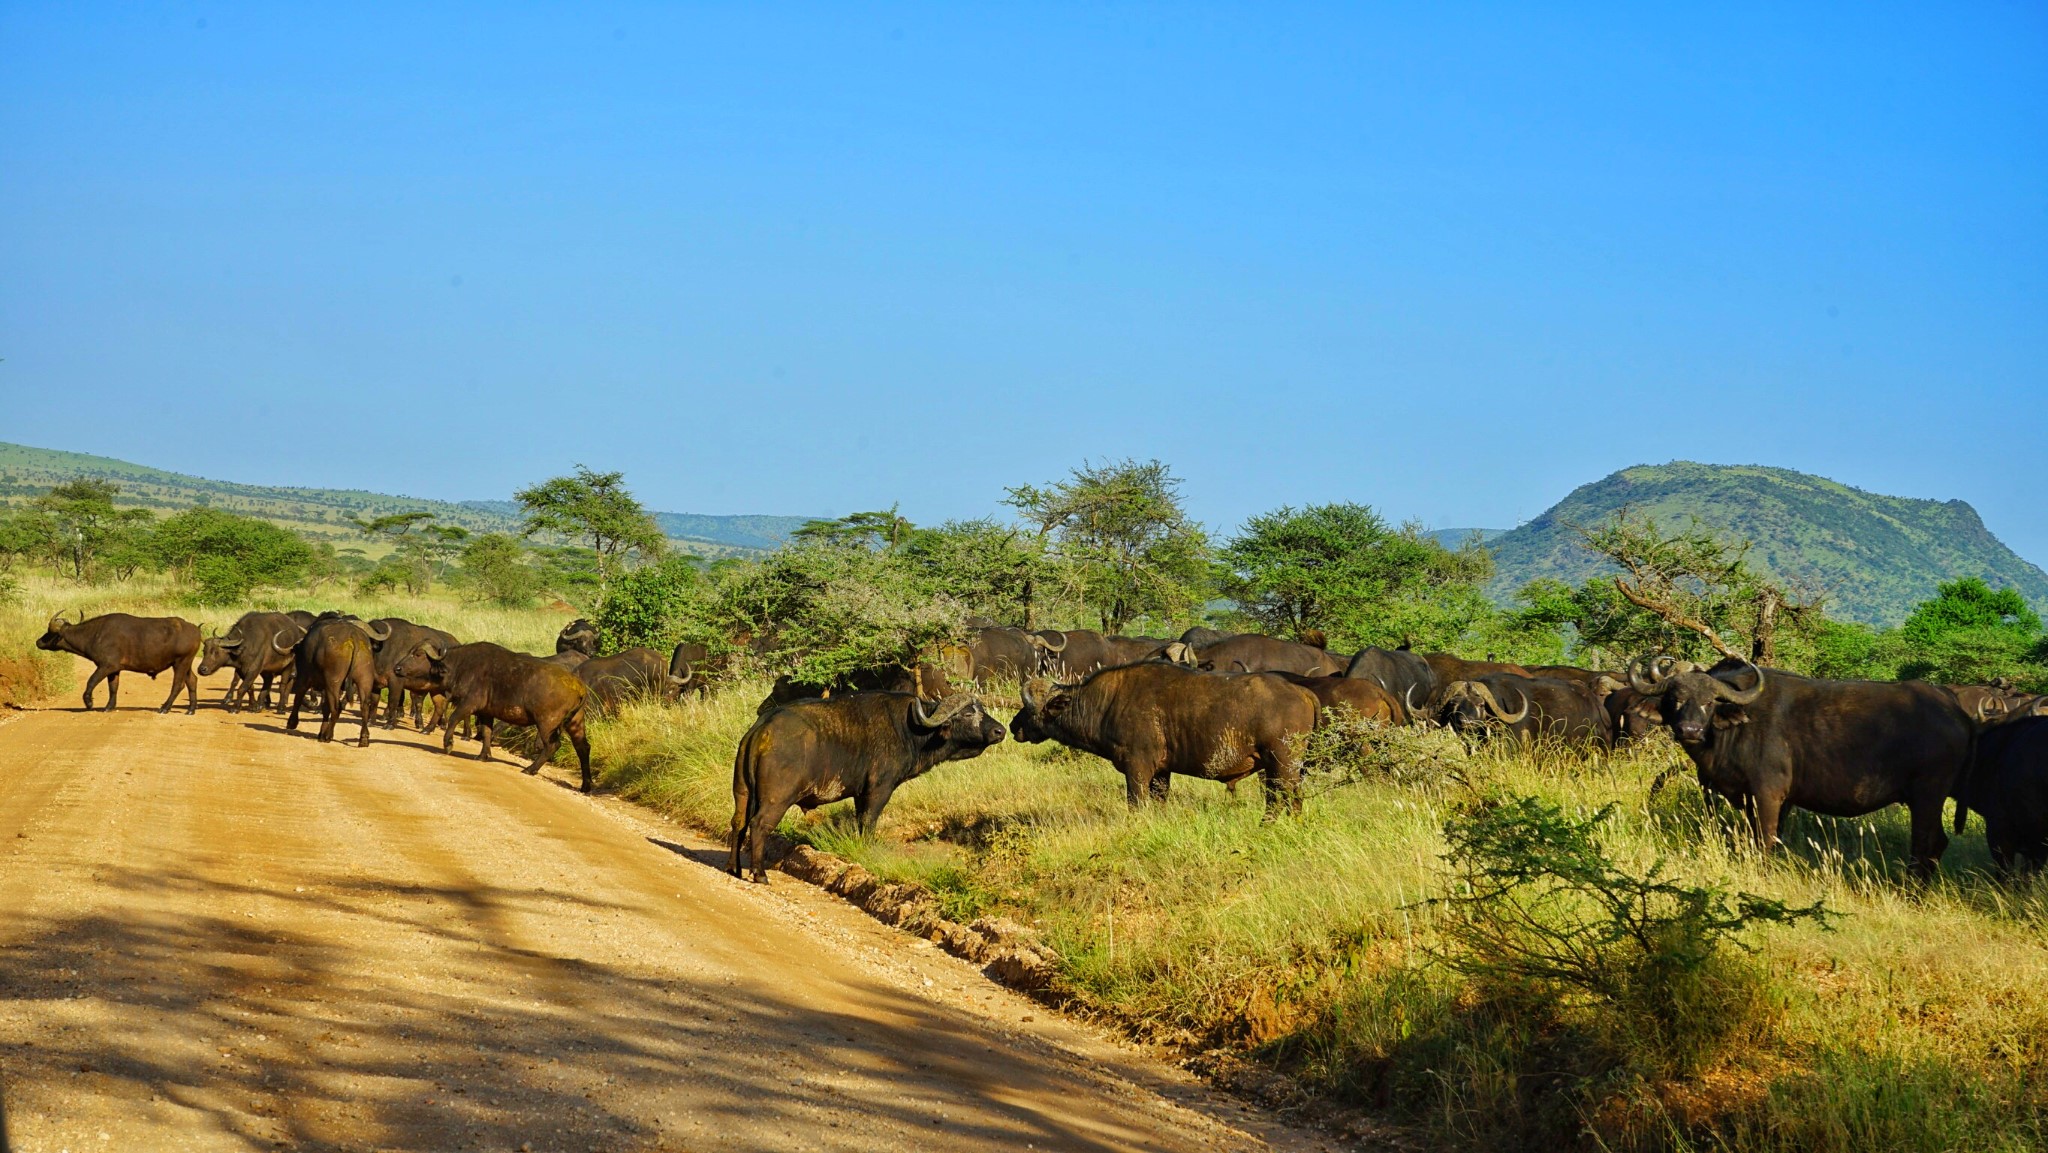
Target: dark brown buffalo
2008, 787
926, 680
566, 658
247, 648
578, 636
337, 651
1989, 704
1362, 697
1631, 716
1075, 653
492, 683
627, 675
1765, 739
1002, 655
862, 745
117, 643
1531, 708
401, 636
1404, 674
1254, 653
1155, 719
690, 665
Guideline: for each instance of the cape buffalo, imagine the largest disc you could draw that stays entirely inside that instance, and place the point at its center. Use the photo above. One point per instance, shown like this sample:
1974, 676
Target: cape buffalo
924, 679
1531, 708
861, 745
492, 683
117, 643
2008, 786
1002, 655
401, 637
1766, 739
1155, 719
247, 648
578, 636
1404, 674
1078, 652
336, 651
690, 665
637, 672
1254, 653
1363, 697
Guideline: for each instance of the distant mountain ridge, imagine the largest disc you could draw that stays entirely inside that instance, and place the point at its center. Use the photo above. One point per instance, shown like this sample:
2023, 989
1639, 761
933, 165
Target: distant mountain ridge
323, 513
1875, 556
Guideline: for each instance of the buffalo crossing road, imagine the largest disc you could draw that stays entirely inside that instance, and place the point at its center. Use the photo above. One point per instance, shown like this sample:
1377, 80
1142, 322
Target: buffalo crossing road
215, 935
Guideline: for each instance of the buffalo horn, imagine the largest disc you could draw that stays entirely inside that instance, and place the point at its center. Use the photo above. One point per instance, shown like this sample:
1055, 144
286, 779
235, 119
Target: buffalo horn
949, 708
285, 647
1408, 698
1645, 677
380, 638
228, 642
1735, 696
1180, 653
1492, 702
57, 620
1047, 644
1988, 707
433, 650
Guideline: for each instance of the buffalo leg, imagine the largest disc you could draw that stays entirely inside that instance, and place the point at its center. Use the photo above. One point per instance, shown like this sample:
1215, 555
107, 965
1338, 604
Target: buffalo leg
1282, 780
330, 707
763, 823
1929, 842
458, 712
182, 678
1764, 810
1162, 784
1138, 781
741, 795
369, 713
868, 806
483, 733
579, 739
93, 682
229, 702
113, 689
291, 723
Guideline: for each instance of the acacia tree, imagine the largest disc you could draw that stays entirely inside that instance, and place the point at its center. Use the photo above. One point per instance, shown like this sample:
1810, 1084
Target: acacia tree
1120, 530
1342, 570
89, 532
1696, 582
593, 508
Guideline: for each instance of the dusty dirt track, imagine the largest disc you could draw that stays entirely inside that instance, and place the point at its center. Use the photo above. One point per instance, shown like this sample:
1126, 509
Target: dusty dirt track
218, 936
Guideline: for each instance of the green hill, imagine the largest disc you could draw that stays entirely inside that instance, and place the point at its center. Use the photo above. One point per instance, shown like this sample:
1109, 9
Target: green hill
323, 513
1874, 556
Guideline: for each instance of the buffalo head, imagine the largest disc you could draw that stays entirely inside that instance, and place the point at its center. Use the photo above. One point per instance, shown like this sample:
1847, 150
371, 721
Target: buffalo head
1472, 706
1694, 702
52, 639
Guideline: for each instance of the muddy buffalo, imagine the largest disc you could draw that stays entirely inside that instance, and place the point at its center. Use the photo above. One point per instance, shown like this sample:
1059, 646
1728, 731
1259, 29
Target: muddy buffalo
626, 675
862, 745
117, 643
337, 653
1156, 719
491, 683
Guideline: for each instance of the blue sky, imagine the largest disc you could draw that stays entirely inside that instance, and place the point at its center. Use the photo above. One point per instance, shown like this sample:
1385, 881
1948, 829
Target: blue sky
1448, 260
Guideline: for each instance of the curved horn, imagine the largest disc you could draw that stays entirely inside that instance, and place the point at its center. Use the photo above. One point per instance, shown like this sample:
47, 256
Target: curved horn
287, 646
55, 621
677, 681
380, 638
949, 708
1492, 702
1051, 647
1990, 706
433, 650
1030, 690
1735, 696
228, 642
1647, 678
1180, 653
1408, 698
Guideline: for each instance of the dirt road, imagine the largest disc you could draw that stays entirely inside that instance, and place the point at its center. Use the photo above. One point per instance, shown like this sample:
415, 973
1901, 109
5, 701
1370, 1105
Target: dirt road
218, 936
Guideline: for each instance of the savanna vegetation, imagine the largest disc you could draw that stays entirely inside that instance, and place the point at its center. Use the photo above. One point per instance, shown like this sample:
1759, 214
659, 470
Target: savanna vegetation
1487, 946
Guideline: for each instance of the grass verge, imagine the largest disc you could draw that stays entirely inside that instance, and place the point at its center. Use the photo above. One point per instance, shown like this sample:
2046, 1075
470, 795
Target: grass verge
1919, 1022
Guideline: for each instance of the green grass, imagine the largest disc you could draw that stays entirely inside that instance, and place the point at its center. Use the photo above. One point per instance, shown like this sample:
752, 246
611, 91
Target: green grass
1920, 1022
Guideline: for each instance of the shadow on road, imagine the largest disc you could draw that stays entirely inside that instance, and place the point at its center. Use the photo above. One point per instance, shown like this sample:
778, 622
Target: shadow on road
338, 1032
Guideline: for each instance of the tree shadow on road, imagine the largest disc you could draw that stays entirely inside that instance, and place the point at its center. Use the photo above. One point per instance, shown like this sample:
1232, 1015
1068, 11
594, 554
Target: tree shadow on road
337, 1034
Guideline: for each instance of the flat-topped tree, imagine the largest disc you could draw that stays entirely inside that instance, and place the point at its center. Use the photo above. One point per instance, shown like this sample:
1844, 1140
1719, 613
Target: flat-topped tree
593, 508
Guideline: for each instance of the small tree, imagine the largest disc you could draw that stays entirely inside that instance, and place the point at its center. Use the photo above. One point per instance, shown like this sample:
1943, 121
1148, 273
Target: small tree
495, 569
1969, 632
1131, 547
223, 555
88, 528
1697, 583
1342, 570
996, 570
885, 530
593, 508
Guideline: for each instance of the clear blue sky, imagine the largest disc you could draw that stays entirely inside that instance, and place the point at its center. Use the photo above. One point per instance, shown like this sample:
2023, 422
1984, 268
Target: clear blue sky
1448, 260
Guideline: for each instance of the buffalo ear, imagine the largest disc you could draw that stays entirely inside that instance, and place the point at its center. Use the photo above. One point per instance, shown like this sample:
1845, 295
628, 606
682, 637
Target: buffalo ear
1057, 705
1729, 716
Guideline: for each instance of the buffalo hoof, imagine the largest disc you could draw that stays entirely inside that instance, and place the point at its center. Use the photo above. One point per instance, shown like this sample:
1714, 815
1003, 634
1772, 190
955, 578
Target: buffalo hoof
759, 878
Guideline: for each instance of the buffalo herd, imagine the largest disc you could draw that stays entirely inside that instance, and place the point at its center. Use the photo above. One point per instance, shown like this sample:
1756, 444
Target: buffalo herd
1207, 704
333, 660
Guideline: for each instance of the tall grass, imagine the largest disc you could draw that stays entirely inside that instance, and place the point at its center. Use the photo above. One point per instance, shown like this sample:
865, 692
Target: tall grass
1919, 1022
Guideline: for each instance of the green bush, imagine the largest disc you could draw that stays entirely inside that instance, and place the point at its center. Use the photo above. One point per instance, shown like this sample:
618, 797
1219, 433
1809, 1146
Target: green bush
1540, 909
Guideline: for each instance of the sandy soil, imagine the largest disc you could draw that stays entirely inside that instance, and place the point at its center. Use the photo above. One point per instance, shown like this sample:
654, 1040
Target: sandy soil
215, 935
